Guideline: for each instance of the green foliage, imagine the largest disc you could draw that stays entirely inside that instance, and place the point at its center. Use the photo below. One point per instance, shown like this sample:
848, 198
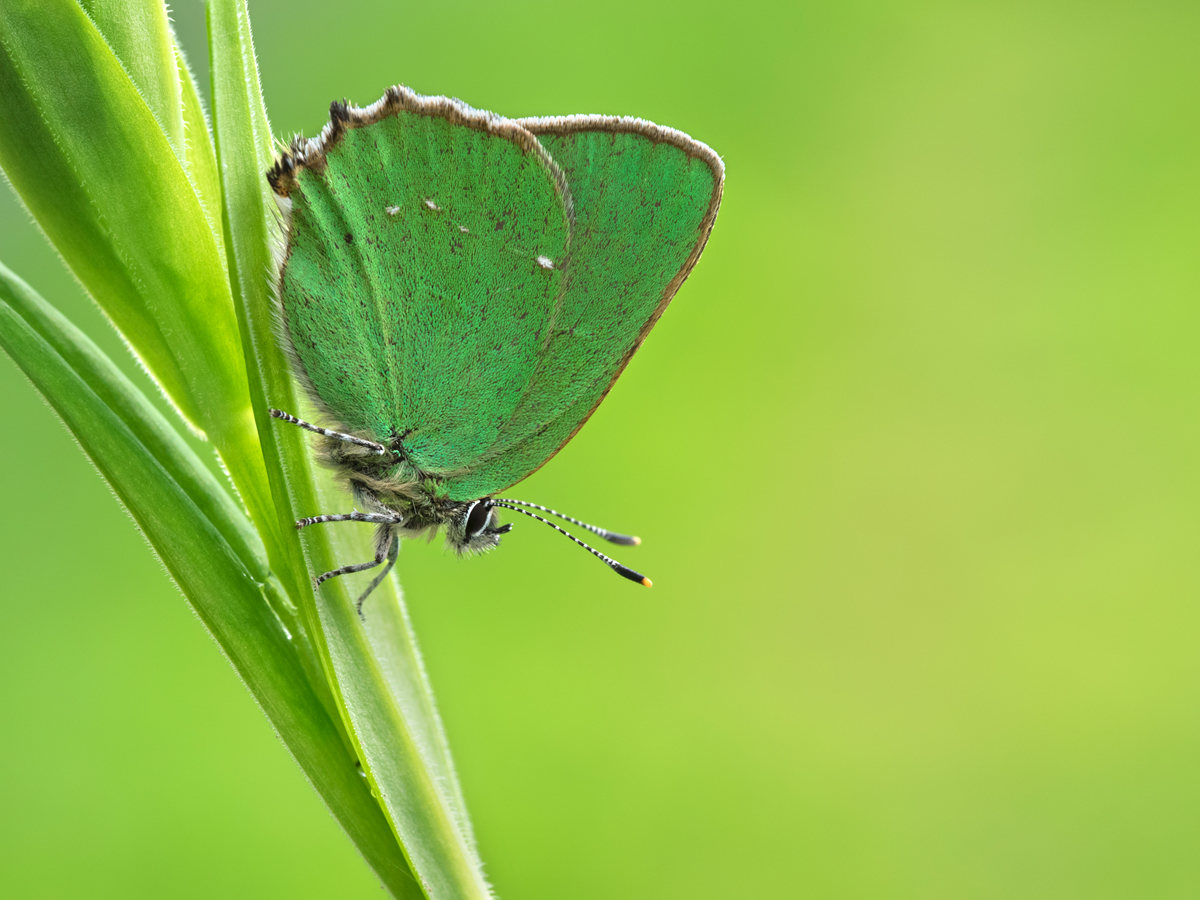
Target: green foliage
940, 356
169, 228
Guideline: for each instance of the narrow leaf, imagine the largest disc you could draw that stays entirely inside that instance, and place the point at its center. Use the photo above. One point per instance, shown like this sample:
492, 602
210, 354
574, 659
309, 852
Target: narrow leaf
200, 159
89, 160
393, 729
139, 34
177, 505
247, 226
390, 717
152, 431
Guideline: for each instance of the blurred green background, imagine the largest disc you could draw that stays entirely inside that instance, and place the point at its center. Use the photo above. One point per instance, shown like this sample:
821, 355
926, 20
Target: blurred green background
914, 455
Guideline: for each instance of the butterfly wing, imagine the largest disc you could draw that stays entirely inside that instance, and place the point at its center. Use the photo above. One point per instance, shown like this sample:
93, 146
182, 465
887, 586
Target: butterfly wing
644, 199
426, 243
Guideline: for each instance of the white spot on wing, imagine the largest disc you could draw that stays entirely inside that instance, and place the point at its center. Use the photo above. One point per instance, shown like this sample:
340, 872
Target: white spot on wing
392, 210
545, 262
432, 205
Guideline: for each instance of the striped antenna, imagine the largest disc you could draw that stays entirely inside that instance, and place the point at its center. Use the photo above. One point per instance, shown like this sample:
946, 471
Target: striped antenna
623, 571
610, 536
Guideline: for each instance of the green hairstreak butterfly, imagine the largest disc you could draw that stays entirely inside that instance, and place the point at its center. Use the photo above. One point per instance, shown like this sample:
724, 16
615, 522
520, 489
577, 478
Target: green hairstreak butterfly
460, 290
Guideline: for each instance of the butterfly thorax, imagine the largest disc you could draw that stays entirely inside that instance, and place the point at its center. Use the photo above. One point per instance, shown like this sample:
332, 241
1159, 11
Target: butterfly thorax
392, 477
392, 483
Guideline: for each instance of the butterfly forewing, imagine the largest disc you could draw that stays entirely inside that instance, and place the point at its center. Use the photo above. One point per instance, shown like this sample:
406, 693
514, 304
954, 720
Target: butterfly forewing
425, 264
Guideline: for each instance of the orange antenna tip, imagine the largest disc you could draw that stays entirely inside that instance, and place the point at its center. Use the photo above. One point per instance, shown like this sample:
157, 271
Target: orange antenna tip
647, 582
636, 540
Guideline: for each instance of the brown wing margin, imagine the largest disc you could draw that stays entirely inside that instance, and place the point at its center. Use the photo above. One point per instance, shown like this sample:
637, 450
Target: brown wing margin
310, 153
560, 125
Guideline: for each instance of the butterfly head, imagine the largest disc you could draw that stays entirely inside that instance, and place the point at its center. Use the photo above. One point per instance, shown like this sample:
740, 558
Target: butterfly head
474, 527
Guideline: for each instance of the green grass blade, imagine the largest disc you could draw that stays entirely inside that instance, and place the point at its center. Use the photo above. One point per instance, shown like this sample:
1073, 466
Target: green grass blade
243, 144
394, 645
139, 33
391, 721
200, 159
390, 705
111, 388
423, 816
248, 226
178, 506
89, 160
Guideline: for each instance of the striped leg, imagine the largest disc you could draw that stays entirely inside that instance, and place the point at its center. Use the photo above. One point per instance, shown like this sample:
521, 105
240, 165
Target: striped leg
350, 570
377, 518
393, 552
348, 438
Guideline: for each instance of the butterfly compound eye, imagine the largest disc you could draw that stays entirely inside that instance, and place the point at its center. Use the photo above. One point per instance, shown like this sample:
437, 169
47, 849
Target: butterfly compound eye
478, 515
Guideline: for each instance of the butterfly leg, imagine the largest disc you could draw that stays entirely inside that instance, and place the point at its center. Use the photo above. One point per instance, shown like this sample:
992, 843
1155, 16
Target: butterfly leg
393, 552
348, 438
387, 548
348, 570
377, 518
384, 540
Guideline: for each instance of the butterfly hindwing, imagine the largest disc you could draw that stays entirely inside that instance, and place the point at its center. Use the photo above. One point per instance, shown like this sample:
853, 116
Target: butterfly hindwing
644, 202
425, 264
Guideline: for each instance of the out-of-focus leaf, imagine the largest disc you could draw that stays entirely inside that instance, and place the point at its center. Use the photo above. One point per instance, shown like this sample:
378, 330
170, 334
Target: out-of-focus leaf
89, 160
111, 388
91, 163
206, 545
